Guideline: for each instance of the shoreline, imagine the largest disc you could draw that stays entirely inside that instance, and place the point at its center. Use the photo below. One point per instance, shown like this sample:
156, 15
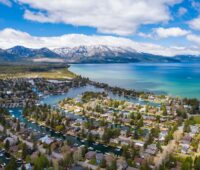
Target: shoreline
155, 92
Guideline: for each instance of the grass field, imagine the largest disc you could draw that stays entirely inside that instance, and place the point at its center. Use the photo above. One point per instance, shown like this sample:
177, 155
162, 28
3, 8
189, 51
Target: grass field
196, 119
34, 71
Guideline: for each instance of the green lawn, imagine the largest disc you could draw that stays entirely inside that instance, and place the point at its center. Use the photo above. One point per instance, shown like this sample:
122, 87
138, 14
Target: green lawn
196, 119
32, 71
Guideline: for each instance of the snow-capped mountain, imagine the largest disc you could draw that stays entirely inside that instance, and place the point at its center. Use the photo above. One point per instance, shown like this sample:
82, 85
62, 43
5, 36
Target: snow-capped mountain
106, 54
81, 54
89, 51
24, 52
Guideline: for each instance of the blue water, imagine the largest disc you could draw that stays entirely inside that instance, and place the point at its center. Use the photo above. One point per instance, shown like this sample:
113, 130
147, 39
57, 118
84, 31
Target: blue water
176, 79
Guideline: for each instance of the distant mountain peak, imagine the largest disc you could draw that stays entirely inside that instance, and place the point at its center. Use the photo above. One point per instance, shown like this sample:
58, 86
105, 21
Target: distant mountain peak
88, 54
106, 54
89, 51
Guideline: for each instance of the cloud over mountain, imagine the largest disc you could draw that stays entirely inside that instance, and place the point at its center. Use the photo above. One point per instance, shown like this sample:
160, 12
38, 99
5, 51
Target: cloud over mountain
11, 37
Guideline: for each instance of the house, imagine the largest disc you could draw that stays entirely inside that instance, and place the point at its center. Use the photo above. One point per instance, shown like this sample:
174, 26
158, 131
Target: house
114, 140
28, 166
162, 135
152, 147
121, 164
123, 132
99, 158
139, 143
194, 129
109, 159
184, 149
151, 98
12, 141
90, 155
47, 140
125, 140
138, 161
143, 110
151, 150
186, 139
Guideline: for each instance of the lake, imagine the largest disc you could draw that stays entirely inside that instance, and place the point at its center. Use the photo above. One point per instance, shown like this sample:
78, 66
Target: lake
176, 79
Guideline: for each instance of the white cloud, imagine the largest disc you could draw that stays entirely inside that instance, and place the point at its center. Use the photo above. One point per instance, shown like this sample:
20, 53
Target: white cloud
170, 32
165, 33
10, 37
6, 2
144, 35
194, 38
108, 16
195, 23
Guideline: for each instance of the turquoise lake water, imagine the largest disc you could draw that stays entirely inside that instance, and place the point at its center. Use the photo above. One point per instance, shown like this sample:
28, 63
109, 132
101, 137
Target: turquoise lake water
176, 79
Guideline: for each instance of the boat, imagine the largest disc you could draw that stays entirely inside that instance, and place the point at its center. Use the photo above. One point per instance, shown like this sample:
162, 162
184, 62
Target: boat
76, 144
19, 161
96, 143
8, 158
91, 148
117, 149
3, 164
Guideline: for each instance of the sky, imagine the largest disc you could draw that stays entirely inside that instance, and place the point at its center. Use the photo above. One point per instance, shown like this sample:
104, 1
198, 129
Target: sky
163, 27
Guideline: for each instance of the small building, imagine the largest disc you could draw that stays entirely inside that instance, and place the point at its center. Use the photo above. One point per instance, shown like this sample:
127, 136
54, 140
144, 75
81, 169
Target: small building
139, 143
194, 129
90, 155
47, 140
138, 161
109, 159
151, 149
184, 149
99, 158
12, 141
28, 166
186, 139
162, 135
121, 164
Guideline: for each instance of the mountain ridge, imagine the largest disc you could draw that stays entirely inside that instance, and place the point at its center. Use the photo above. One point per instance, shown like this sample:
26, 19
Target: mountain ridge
87, 54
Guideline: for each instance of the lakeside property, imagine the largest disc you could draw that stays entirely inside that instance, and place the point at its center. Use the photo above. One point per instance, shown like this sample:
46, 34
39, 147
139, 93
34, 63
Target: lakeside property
99, 126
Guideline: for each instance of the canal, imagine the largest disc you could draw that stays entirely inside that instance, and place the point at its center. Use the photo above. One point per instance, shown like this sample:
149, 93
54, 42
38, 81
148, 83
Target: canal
53, 101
